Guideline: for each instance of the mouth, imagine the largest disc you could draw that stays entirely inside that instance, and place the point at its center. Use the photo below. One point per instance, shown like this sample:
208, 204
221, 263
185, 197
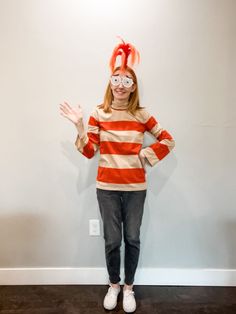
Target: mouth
120, 92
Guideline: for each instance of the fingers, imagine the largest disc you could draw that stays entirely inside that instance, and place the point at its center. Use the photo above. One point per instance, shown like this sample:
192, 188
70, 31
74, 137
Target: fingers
143, 161
67, 108
67, 105
64, 114
144, 165
64, 109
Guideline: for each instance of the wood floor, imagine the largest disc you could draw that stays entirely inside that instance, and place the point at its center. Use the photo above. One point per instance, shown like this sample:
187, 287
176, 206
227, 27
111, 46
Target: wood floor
85, 299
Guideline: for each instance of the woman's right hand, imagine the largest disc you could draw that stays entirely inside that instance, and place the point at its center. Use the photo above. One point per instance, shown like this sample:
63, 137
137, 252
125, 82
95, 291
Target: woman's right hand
75, 115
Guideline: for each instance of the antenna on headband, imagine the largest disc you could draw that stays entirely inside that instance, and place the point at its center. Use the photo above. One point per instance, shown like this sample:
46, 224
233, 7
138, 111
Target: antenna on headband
129, 54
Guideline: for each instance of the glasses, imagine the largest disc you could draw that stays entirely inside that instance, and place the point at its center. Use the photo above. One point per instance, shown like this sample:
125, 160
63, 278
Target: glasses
116, 80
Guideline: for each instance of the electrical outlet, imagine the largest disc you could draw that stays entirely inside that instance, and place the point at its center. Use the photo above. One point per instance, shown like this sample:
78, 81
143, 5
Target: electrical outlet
94, 227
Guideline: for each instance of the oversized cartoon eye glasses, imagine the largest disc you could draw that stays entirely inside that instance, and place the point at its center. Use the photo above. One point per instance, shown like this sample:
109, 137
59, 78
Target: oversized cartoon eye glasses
117, 79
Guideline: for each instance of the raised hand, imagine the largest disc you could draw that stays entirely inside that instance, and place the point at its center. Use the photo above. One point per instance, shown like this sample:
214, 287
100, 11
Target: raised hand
75, 115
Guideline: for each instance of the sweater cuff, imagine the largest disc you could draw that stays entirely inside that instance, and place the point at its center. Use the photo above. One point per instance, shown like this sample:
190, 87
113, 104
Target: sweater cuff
81, 142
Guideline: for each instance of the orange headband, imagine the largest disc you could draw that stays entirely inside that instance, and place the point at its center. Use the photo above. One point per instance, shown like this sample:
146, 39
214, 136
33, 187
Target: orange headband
124, 50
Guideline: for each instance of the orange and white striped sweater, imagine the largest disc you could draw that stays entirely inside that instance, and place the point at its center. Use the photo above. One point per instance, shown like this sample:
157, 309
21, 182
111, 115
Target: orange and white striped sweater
119, 136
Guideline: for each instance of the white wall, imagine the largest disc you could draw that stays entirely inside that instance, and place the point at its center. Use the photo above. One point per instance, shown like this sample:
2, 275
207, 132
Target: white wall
59, 50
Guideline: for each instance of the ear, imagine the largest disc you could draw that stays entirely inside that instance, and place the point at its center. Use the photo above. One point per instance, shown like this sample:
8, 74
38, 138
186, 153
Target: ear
133, 88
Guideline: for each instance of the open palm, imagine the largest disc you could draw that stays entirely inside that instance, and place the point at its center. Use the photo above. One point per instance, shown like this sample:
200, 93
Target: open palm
75, 115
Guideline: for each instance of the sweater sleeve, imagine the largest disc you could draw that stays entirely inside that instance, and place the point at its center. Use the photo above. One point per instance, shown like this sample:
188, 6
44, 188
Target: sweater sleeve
164, 141
88, 143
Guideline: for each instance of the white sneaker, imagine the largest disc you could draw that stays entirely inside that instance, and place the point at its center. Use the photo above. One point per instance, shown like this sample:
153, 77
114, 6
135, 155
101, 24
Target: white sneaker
129, 303
110, 300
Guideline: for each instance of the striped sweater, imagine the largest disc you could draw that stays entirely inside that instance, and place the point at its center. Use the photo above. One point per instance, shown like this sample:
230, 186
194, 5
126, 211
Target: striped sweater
119, 137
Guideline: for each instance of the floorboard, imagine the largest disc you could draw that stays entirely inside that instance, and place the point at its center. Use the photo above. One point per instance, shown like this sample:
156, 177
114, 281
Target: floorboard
86, 299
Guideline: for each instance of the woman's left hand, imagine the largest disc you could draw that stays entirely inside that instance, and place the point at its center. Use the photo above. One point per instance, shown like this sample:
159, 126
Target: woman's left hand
142, 159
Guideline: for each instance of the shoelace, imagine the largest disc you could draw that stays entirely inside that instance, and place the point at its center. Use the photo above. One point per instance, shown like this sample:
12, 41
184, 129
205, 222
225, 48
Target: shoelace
112, 290
129, 293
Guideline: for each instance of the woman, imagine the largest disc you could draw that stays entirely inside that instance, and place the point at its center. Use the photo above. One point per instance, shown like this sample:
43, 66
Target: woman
117, 129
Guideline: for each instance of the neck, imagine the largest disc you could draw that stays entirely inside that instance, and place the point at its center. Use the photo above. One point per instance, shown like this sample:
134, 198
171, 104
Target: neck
120, 104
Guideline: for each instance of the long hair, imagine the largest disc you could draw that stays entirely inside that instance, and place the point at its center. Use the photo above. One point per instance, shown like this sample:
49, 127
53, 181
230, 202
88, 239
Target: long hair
133, 104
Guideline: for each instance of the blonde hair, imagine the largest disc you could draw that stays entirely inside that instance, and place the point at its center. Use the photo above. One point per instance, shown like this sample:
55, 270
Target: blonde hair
133, 105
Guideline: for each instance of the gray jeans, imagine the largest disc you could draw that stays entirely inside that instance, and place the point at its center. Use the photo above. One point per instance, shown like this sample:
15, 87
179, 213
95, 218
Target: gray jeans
117, 207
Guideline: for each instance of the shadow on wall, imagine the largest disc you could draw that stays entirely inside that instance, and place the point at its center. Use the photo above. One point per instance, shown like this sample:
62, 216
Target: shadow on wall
229, 241
219, 249
20, 238
185, 237
86, 168
158, 178
87, 206
156, 181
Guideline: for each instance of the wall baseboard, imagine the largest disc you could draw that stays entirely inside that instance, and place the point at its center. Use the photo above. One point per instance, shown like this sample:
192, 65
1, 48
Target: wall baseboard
98, 276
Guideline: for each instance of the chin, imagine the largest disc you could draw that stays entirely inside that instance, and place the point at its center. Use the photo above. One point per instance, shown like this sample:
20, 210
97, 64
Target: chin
121, 98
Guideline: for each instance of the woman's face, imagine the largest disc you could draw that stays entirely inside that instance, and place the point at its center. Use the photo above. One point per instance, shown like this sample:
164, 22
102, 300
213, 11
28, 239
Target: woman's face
120, 92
